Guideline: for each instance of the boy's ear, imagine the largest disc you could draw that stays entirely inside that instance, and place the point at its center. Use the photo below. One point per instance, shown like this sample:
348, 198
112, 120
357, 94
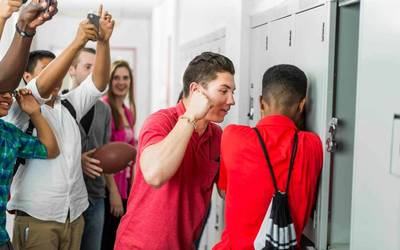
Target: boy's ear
263, 106
71, 70
302, 105
27, 77
260, 101
193, 87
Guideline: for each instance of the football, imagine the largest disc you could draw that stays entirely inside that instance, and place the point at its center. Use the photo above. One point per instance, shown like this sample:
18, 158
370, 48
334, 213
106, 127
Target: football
115, 156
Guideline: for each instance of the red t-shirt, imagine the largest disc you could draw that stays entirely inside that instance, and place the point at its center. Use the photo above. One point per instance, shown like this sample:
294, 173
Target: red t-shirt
171, 217
245, 177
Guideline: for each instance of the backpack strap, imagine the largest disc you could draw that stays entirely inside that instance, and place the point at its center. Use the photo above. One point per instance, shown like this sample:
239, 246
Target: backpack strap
87, 119
28, 131
292, 158
69, 106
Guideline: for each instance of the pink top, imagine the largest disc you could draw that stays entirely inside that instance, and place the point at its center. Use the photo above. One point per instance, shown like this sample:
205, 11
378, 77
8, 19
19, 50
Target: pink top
171, 217
125, 135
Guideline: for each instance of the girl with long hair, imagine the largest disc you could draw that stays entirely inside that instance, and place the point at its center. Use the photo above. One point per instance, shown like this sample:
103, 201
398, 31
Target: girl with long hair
123, 121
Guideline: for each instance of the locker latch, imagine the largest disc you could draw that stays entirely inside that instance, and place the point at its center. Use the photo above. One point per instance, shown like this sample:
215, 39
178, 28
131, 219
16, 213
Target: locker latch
250, 115
331, 144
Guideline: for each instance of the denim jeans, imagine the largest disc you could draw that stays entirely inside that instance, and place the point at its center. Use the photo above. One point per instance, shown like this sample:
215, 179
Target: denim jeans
94, 222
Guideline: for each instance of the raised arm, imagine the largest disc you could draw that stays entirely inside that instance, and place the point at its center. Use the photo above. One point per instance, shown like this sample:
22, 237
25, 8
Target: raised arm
51, 77
45, 134
160, 161
101, 69
13, 64
7, 8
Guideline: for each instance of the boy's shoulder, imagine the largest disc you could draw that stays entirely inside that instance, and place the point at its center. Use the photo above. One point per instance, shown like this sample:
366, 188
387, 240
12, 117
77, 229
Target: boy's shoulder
237, 131
236, 128
310, 137
312, 143
7, 127
163, 115
10, 133
161, 120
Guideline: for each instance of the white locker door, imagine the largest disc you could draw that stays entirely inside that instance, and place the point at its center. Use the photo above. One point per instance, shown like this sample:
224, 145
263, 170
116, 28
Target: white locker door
258, 61
375, 222
311, 54
271, 44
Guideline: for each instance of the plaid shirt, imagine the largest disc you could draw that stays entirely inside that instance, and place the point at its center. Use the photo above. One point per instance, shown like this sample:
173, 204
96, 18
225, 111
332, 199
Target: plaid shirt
13, 143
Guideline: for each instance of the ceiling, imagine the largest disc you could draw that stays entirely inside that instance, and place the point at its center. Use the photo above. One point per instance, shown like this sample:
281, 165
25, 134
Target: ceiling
118, 8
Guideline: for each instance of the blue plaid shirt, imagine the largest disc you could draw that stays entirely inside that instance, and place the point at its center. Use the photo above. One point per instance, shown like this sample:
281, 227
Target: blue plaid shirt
13, 143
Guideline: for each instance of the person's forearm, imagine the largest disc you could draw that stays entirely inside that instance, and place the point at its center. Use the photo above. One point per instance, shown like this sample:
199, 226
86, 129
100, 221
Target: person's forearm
101, 68
13, 64
110, 183
55, 72
159, 162
45, 135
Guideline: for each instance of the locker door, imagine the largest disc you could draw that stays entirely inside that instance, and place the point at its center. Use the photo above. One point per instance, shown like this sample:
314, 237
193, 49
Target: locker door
259, 51
344, 110
310, 55
311, 43
270, 45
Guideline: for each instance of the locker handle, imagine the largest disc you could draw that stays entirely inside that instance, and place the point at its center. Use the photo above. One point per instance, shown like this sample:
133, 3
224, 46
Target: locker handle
250, 115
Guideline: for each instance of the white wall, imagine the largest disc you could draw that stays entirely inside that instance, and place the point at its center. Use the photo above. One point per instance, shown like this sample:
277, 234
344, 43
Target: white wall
128, 34
162, 54
376, 202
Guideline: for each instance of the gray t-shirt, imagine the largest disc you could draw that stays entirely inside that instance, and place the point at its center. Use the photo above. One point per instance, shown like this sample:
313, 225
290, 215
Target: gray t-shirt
99, 134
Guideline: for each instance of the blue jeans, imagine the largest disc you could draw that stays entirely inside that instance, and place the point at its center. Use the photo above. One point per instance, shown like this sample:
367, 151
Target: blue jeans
94, 222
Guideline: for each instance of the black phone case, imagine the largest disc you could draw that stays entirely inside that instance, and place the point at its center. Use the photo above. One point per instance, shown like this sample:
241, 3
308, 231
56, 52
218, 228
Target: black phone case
94, 19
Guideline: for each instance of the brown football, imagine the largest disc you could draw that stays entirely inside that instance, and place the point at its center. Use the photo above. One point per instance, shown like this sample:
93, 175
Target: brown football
115, 156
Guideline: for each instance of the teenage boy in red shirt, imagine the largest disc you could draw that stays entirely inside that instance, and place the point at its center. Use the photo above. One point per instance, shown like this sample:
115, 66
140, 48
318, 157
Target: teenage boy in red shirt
244, 177
178, 161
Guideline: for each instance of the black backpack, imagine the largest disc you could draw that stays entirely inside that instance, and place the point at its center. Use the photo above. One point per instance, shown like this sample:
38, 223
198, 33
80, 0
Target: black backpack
277, 229
86, 122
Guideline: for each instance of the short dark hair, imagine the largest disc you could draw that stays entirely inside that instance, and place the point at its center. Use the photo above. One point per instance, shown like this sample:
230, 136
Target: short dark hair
35, 56
285, 84
86, 49
204, 68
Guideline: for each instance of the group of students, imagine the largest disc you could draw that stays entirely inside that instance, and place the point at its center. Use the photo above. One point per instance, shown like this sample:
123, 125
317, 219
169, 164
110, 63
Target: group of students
49, 179
58, 190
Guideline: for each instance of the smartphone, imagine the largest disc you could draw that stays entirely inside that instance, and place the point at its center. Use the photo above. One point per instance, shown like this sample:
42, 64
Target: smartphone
49, 3
94, 19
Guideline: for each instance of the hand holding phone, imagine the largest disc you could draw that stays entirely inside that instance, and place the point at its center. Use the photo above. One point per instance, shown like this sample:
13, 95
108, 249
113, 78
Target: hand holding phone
49, 3
94, 19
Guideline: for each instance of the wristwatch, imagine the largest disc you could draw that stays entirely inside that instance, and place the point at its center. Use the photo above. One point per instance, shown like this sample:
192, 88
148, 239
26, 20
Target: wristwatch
24, 33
